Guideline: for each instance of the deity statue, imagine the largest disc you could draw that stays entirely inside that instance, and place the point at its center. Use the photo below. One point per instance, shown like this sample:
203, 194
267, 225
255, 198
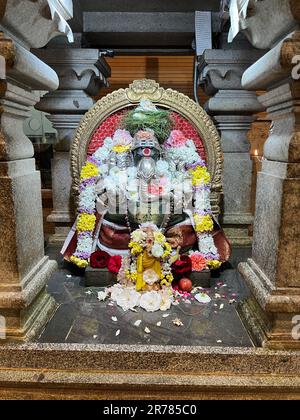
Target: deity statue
145, 195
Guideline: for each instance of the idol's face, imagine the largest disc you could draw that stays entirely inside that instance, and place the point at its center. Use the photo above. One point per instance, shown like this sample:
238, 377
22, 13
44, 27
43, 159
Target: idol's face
145, 159
145, 153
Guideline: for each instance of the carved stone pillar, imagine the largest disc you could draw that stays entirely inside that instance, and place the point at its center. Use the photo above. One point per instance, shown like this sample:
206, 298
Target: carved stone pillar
25, 305
273, 272
232, 109
81, 73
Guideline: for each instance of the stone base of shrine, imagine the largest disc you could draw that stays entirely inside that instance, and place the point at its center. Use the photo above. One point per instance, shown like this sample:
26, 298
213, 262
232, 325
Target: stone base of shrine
103, 278
237, 228
73, 372
269, 315
24, 314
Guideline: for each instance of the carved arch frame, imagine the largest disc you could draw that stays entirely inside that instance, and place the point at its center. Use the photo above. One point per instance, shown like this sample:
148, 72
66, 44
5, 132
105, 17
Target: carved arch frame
164, 98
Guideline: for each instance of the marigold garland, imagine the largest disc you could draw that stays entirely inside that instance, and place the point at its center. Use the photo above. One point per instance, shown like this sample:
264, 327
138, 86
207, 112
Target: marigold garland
203, 223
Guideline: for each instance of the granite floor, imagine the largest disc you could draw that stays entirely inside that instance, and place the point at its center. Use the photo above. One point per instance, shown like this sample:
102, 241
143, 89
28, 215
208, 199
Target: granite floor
81, 318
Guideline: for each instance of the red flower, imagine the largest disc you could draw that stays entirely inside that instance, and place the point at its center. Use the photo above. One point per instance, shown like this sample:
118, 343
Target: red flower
115, 264
99, 259
182, 266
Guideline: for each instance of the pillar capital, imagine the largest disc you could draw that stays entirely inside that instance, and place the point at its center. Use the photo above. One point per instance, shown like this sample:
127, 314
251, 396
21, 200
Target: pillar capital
35, 23
82, 73
223, 69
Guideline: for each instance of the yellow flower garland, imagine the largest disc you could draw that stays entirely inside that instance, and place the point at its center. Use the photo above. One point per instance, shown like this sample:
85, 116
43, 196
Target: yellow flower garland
200, 176
80, 263
86, 222
214, 264
203, 223
121, 149
90, 170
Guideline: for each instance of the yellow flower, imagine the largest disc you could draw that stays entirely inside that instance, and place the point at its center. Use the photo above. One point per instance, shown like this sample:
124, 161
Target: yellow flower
214, 265
80, 263
133, 277
203, 223
89, 171
136, 248
165, 283
159, 237
200, 176
86, 222
121, 149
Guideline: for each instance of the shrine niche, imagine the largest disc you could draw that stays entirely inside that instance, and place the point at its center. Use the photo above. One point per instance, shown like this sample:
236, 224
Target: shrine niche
147, 182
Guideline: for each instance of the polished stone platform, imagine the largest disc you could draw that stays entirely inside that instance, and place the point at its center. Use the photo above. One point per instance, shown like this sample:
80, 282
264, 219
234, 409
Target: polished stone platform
95, 277
81, 318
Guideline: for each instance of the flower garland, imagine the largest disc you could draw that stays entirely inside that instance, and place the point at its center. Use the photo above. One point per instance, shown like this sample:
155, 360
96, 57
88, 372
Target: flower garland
87, 207
95, 168
184, 150
149, 245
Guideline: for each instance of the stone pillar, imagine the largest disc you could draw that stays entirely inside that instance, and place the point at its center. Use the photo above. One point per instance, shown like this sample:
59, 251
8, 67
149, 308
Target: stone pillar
273, 272
81, 74
25, 305
232, 108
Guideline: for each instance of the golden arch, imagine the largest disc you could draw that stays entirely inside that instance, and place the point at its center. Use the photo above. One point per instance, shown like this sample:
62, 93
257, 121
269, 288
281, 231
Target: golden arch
165, 98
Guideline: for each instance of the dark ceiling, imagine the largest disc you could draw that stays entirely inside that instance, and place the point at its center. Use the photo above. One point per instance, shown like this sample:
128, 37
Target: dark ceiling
149, 5
139, 24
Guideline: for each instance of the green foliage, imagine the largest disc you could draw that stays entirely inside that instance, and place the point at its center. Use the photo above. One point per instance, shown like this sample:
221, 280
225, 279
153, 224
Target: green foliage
160, 122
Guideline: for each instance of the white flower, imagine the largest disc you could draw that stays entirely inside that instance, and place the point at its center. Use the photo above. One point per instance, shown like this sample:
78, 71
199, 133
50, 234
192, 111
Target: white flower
85, 244
146, 106
115, 291
128, 299
207, 245
150, 277
139, 116
157, 251
151, 301
102, 153
132, 172
108, 142
191, 144
166, 301
87, 197
139, 236
203, 298
102, 296
183, 154
162, 167
103, 169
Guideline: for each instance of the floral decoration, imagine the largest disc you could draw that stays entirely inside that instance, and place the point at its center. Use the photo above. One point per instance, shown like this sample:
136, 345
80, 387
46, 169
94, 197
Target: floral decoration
99, 259
198, 261
115, 264
183, 266
148, 244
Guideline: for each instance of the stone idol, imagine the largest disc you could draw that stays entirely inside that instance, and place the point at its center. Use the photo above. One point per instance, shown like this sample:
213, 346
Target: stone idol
144, 206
